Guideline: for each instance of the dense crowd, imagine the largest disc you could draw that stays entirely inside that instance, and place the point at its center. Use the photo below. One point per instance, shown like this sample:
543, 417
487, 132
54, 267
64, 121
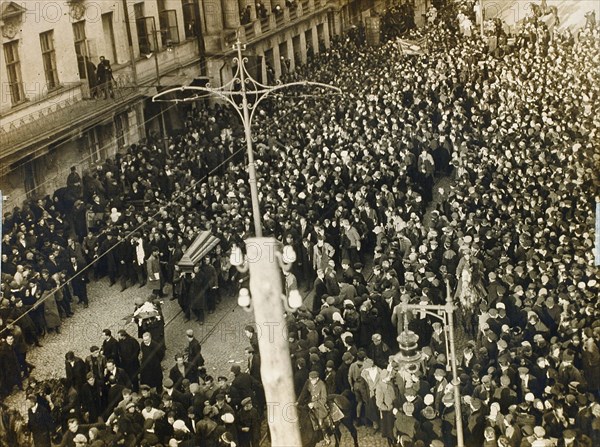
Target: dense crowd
346, 181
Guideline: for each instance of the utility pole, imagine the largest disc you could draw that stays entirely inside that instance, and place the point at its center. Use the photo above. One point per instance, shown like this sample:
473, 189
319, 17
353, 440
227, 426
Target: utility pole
157, 68
481, 17
245, 110
275, 361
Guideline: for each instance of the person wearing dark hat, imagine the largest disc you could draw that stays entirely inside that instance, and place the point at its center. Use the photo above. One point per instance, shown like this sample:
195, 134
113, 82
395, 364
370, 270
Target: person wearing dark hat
448, 417
193, 350
221, 405
330, 375
206, 427
300, 375
314, 395
439, 388
430, 425
174, 389
570, 438
527, 383
248, 424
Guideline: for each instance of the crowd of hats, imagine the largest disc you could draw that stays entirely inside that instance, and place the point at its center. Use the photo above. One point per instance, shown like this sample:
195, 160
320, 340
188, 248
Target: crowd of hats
519, 133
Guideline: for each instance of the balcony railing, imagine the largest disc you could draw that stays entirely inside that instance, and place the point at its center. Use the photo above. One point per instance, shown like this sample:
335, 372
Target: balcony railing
265, 24
293, 12
249, 30
279, 20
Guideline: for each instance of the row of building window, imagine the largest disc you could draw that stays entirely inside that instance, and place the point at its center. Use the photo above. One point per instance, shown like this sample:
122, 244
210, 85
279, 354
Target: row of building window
13, 65
147, 41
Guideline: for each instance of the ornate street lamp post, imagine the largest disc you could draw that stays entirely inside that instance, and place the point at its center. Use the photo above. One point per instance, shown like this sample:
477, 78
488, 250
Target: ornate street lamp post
245, 110
408, 341
264, 259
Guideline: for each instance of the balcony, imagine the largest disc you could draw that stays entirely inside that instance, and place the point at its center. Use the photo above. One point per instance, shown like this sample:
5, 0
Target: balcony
54, 119
265, 24
249, 31
66, 111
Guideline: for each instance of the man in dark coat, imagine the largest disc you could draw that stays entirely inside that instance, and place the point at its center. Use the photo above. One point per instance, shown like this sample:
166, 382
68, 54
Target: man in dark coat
96, 363
90, 398
10, 372
242, 386
193, 350
39, 422
129, 352
248, 424
475, 424
110, 347
253, 360
76, 370
78, 281
150, 369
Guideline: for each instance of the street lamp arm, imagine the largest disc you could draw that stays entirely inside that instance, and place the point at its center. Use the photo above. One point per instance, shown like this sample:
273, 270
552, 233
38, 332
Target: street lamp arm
221, 93
226, 92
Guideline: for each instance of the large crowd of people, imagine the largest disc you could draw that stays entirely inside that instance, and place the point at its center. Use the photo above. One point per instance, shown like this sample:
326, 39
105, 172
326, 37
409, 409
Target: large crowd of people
346, 180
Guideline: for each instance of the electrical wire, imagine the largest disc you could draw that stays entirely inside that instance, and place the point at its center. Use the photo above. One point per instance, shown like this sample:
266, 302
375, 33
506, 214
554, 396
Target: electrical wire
126, 237
143, 224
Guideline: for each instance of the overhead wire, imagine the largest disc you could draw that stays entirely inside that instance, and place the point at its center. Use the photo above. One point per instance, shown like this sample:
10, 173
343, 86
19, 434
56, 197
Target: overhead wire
127, 236
141, 225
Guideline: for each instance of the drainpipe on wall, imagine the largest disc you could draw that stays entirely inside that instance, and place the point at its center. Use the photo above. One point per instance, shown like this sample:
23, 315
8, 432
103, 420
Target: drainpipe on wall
129, 42
200, 38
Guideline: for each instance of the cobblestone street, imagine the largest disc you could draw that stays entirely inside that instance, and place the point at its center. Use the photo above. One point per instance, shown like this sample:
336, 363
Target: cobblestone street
222, 337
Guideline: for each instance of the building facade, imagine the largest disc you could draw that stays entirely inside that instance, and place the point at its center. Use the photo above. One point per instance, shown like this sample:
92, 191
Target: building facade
53, 116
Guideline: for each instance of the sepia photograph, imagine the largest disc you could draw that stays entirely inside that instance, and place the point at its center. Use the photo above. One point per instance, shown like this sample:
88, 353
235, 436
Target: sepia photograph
300, 223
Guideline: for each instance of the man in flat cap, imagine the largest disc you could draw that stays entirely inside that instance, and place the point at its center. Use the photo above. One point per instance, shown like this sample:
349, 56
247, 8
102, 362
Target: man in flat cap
193, 350
248, 424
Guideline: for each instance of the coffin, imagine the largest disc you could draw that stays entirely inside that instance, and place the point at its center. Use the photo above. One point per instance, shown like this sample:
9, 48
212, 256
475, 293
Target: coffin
201, 246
